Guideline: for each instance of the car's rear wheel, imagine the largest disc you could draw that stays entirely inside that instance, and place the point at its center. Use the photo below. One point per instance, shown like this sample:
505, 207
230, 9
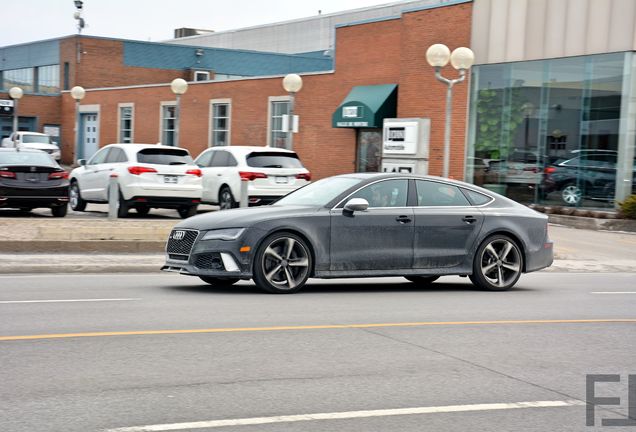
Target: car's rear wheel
142, 210
59, 211
282, 264
226, 199
218, 281
75, 198
122, 207
187, 211
422, 280
571, 194
498, 264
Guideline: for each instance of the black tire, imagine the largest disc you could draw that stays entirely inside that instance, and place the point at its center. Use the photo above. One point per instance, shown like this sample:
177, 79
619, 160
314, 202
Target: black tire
219, 281
75, 197
422, 280
59, 211
282, 263
122, 207
187, 211
142, 210
498, 264
226, 199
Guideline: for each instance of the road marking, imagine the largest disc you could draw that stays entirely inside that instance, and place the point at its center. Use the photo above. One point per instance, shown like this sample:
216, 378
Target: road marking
311, 327
348, 415
613, 292
67, 300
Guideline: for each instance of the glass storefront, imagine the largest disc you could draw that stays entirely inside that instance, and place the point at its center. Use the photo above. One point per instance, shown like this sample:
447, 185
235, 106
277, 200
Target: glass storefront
548, 131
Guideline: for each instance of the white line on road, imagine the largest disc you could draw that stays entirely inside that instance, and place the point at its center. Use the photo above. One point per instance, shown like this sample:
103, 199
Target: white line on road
347, 415
67, 300
613, 292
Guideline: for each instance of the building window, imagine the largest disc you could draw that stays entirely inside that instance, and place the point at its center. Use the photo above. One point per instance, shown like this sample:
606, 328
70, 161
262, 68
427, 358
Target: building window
67, 76
277, 136
126, 112
201, 76
220, 135
22, 78
48, 79
168, 123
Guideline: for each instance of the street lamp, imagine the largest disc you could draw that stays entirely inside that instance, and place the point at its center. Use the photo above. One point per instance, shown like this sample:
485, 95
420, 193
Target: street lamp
178, 86
16, 94
292, 83
78, 94
462, 59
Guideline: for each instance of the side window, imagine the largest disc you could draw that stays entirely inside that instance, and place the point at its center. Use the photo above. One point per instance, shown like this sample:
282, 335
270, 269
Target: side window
434, 194
220, 159
231, 161
116, 155
387, 193
204, 159
477, 198
99, 157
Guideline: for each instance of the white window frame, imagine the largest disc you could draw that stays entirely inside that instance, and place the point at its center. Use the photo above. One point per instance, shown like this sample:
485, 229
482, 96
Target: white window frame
213, 102
270, 101
132, 121
206, 74
161, 106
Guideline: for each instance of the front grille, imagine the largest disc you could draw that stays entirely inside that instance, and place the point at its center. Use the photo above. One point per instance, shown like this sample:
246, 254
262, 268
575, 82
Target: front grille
180, 242
209, 261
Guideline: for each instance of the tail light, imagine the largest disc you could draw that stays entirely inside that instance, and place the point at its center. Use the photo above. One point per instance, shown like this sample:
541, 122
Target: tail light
137, 170
246, 175
304, 176
196, 172
7, 174
549, 170
58, 175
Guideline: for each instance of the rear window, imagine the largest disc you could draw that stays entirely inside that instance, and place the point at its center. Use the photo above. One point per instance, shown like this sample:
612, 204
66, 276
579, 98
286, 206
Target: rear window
40, 139
26, 158
164, 156
273, 160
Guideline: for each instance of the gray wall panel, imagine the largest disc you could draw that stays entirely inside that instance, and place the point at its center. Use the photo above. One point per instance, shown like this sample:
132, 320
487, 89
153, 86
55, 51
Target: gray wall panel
554, 41
498, 30
575, 33
515, 44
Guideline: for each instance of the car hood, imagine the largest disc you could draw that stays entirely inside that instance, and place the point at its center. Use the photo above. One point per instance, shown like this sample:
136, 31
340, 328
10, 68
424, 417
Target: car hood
244, 217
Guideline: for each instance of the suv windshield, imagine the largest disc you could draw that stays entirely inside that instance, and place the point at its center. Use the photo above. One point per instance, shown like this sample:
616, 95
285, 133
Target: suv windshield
159, 156
319, 193
273, 160
40, 139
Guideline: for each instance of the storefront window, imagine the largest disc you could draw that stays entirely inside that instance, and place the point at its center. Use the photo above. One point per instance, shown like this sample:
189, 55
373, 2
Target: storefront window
547, 131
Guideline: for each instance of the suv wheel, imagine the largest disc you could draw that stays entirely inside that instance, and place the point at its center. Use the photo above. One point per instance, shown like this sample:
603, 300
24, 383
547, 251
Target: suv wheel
75, 197
226, 199
187, 211
122, 207
571, 194
59, 211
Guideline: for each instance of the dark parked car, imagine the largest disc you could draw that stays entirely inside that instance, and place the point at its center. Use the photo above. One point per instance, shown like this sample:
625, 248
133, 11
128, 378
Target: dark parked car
583, 174
366, 225
30, 179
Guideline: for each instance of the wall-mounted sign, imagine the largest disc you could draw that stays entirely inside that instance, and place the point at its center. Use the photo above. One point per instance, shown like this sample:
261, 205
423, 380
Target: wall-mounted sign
400, 137
351, 111
6, 107
352, 124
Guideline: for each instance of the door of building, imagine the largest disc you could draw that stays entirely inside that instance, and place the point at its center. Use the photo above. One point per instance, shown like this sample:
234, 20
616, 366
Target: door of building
369, 150
89, 135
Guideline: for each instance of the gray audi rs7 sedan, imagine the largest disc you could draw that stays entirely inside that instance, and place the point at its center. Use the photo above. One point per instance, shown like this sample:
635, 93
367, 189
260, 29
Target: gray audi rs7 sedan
366, 225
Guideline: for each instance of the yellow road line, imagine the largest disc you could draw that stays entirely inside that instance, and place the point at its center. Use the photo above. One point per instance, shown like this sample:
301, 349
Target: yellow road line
312, 327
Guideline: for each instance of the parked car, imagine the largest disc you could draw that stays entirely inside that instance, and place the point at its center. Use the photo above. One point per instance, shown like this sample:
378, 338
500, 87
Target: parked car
366, 225
521, 168
33, 140
583, 174
271, 173
31, 179
148, 176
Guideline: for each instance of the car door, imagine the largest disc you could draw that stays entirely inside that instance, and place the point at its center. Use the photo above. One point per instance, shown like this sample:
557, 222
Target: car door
89, 179
446, 225
115, 157
380, 238
220, 171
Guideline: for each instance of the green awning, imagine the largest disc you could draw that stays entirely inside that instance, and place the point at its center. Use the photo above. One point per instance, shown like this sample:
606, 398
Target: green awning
366, 107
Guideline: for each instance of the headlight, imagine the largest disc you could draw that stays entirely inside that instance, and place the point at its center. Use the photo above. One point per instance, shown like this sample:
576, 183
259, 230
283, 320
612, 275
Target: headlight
223, 234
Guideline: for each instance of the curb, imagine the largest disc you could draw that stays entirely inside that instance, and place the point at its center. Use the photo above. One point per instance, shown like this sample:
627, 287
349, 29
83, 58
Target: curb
83, 246
79, 269
595, 224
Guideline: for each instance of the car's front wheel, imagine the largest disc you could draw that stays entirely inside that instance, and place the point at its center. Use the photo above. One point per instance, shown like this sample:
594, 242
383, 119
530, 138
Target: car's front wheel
75, 198
498, 264
282, 264
422, 280
218, 281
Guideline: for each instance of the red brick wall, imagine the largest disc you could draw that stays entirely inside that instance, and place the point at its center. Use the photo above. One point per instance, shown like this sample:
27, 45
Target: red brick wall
45, 108
390, 51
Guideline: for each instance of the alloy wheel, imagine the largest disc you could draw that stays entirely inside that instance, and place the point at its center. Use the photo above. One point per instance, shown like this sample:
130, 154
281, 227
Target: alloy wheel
226, 200
285, 263
571, 194
500, 263
74, 196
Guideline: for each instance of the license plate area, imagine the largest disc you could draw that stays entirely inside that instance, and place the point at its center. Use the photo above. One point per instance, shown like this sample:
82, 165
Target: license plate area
170, 179
281, 180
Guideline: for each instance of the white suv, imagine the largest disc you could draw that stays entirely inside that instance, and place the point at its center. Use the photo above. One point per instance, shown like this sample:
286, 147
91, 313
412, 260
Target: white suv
148, 175
272, 173
33, 140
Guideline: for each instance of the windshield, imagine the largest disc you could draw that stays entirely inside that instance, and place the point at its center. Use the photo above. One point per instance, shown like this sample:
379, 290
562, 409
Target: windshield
159, 156
273, 160
319, 193
39, 139
26, 158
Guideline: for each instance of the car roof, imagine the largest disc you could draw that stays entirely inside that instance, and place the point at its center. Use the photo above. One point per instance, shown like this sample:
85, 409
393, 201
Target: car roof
380, 176
238, 149
135, 147
31, 133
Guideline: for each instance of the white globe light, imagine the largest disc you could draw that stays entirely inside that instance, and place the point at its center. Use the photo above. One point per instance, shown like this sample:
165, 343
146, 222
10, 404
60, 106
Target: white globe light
15, 92
78, 93
438, 55
179, 86
292, 83
462, 58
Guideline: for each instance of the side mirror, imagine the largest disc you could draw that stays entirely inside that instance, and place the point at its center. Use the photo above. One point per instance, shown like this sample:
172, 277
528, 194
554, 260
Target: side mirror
356, 204
81, 162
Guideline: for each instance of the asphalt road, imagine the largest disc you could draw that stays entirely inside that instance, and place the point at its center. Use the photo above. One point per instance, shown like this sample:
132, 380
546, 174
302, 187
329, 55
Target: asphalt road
347, 349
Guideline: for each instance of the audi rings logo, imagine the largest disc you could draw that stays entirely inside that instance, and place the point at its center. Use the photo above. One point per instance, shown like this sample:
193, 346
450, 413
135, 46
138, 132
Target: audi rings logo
178, 235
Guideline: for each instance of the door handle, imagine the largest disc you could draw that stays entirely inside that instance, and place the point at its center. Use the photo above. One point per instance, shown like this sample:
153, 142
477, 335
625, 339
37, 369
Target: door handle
403, 219
469, 219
